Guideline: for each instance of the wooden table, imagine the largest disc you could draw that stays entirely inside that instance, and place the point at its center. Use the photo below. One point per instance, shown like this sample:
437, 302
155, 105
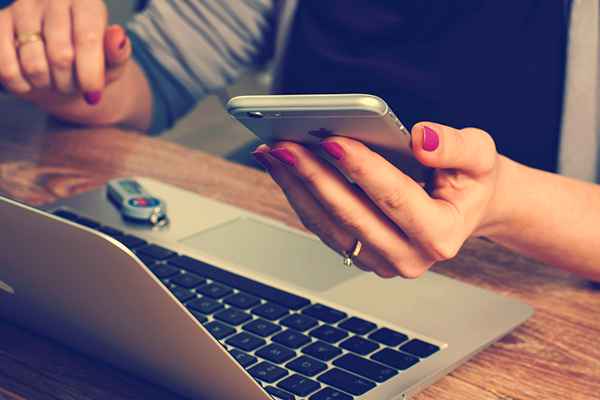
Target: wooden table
555, 355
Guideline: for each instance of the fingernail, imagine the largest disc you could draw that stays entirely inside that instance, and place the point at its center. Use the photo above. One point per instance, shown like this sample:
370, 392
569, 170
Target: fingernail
333, 149
431, 140
262, 159
123, 44
284, 156
93, 98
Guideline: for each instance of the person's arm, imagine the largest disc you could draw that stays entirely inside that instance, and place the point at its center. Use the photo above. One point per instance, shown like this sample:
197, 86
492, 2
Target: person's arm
548, 217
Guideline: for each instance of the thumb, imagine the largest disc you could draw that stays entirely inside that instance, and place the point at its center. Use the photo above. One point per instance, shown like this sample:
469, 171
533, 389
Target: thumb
117, 46
469, 150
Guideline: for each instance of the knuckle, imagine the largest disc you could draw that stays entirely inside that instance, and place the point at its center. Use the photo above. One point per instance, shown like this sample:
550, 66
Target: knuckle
63, 58
87, 39
483, 144
393, 200
441, 251
35, 69
9, 73
357, 171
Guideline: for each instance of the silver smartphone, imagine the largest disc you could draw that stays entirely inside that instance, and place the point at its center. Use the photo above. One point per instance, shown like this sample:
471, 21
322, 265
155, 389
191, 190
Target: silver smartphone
308, 119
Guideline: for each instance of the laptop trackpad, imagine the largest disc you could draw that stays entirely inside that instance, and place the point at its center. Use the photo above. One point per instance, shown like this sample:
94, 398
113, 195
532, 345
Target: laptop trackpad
274, 251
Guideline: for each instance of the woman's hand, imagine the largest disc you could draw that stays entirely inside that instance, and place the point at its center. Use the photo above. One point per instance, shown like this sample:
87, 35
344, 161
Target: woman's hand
404, 229
54, 52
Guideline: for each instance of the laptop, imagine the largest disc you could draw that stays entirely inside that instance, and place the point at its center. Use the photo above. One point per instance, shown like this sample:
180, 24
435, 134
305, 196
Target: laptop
226, 304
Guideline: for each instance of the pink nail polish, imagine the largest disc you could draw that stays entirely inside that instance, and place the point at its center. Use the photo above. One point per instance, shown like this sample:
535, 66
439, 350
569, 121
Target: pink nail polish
262, 159
123, 44
431, 140
333, 149
284, 156
93, 98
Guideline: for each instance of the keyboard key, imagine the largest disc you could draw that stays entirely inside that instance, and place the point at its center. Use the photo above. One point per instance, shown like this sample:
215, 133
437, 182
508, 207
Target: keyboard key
307, 366
214, 290
322, 351
261, 327
328, 333
270, 311
157, 252
181, 293
346, 381
395, 359
359, 345
130, 241
242, 300
276, 353
324, 313
88, 222
244, 359
244, 284
163, 271
365, 368
299, 385
419, 348
219, 330
291, 338
187, 280
71, 216
279, 394
110, 231
299, 322
204, 305
245, 341
357, 325
388, 337
267, 372
330, 394
233, 316
200, 317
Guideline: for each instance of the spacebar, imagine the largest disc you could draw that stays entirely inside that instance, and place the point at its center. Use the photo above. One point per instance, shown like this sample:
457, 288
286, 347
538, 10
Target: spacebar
280, 297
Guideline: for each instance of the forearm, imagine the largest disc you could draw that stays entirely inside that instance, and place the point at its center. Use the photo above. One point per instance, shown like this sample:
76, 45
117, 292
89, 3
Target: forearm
126, 102
548, 217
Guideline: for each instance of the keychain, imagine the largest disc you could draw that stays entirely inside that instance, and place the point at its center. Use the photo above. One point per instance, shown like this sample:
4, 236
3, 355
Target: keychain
135, 203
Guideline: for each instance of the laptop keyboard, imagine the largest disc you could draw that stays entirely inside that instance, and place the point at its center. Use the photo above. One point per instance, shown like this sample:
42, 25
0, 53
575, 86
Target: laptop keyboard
294, 347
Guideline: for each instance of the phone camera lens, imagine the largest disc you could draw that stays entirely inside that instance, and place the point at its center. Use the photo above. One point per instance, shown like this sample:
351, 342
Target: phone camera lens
254, 114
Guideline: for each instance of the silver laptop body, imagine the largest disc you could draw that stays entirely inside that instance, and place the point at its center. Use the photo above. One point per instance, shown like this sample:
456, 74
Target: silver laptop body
92, 293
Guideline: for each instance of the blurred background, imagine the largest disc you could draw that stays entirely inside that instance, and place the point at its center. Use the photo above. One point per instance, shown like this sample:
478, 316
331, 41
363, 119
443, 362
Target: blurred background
208, 127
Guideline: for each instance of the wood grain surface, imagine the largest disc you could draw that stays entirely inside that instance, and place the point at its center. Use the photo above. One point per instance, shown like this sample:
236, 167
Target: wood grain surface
555, 355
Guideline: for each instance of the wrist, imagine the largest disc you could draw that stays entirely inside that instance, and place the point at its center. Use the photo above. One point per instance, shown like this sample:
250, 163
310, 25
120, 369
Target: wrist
500, 216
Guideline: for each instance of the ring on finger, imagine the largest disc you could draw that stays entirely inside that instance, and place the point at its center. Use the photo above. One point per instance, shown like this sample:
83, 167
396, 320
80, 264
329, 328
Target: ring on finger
349, 256
23, 39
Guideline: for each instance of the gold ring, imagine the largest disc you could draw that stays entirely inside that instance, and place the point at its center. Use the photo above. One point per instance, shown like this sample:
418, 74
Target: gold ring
348, 256
22, 39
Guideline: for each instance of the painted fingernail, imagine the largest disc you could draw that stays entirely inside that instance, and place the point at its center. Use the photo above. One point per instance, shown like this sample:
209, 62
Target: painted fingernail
123, 44
333, 149
284, 156
262, 159
93, 98
431, 140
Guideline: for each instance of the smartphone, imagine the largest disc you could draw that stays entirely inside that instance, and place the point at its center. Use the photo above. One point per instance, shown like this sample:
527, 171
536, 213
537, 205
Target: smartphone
308, 119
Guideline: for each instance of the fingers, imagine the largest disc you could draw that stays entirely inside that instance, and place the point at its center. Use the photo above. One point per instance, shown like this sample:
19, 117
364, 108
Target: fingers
10, 68
27, 20
316, 219
472, 151
59, 46
400, 198
89, 24
352, 209
117, 47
